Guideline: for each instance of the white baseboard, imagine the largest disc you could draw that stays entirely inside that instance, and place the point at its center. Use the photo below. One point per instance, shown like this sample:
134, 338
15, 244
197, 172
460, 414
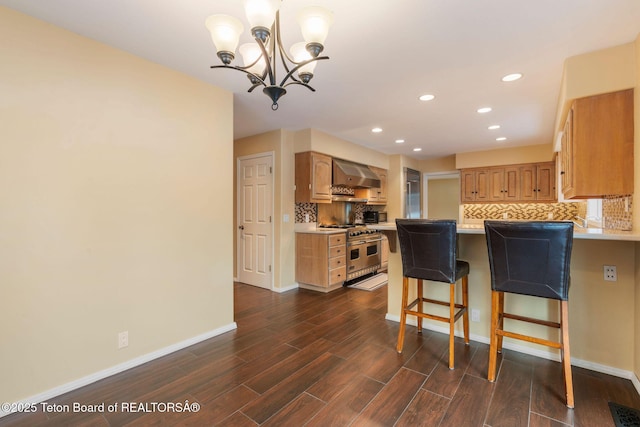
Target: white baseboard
287, 289
278, 290
89, 379
609, 370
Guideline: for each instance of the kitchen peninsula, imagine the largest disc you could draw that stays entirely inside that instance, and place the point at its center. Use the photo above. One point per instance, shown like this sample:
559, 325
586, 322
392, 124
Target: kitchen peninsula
601, 313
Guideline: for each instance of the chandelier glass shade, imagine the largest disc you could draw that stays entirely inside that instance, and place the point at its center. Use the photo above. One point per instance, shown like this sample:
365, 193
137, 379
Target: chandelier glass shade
260, 58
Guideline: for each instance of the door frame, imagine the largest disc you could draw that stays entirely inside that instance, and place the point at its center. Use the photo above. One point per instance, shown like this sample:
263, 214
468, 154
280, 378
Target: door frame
238, 254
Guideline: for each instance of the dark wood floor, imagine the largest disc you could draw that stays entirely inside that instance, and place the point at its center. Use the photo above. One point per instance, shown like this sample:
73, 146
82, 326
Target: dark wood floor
308, 359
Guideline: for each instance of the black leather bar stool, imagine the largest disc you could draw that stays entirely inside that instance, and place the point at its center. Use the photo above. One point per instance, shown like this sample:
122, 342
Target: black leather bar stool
428, 250
530, 258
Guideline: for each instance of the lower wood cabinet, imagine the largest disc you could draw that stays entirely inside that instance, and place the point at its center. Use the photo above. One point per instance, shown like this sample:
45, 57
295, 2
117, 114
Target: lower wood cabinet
321, 260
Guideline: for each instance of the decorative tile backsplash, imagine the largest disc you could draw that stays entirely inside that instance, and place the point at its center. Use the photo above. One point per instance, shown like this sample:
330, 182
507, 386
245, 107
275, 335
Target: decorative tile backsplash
533, 211
617, 212
312, 210
303, 209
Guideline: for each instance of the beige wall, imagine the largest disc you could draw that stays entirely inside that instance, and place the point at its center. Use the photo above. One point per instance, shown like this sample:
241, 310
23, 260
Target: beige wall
113, 172
593, 73
443, 198
315, 140
440, 164
505, 156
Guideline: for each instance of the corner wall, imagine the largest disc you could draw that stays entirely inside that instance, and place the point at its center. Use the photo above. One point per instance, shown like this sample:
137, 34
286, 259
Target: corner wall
115, 181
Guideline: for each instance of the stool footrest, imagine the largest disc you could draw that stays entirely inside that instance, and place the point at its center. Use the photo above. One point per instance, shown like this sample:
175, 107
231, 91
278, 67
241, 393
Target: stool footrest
531, 320
435, 317
433, 301
528, 338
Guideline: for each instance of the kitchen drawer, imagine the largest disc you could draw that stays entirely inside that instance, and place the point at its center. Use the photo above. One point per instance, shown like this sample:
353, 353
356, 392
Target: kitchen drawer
337, 275
337, 251
336, 262
337, 239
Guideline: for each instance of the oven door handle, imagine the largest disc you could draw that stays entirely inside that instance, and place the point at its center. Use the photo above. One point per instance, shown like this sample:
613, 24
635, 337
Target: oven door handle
363, 242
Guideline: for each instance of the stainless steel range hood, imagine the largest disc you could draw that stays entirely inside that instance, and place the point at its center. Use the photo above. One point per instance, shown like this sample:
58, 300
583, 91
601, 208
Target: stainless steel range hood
353, 175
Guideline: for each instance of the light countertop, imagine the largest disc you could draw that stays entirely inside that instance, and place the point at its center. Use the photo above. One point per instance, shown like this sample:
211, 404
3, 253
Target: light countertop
578, 232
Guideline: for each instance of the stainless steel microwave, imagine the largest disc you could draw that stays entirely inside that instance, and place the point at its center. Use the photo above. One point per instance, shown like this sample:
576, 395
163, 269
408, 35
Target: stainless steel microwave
371, 217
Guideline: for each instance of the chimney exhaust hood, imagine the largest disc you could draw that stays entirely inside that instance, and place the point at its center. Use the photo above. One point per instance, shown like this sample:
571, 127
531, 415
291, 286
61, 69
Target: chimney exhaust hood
354, 175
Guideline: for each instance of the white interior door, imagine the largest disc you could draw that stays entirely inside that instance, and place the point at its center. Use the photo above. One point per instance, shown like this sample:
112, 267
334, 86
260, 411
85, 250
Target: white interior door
255, 214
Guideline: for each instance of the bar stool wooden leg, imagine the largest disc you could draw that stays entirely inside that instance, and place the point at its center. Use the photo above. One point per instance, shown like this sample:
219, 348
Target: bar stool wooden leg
493, 347
420, 305
452, 320
566, 355
500, 320
403, 313
465, 303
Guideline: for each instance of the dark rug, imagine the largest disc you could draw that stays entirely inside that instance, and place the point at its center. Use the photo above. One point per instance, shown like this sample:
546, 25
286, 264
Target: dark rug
624, 416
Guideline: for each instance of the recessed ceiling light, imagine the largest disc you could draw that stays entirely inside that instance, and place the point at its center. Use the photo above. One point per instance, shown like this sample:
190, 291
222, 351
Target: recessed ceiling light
484, 110
427, 97
399, 141
512, 77
494, 127
502, 138
376, 130
417, 149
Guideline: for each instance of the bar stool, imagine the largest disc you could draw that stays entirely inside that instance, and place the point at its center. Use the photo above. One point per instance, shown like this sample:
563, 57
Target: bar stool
530, 258
428, 250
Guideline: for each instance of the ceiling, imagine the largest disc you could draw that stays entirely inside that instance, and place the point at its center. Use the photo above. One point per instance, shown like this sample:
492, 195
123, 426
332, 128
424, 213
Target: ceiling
384, 55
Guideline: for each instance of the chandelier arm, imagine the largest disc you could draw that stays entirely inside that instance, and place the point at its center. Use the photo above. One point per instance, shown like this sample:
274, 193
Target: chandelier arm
301, 64
269, 69
297, 82
260, 80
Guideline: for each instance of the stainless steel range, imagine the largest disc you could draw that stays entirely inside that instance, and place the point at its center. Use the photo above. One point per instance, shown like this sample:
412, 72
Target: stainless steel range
364, 254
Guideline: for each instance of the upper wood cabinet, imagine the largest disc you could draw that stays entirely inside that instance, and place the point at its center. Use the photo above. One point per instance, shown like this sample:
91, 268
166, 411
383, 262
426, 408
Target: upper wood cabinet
474, 185
503, 184
533, 182
538, 182
375, 196
313, 177
597, 146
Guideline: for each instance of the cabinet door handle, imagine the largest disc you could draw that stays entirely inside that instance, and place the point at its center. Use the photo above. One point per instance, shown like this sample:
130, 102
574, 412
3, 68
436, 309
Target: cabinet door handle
561, 172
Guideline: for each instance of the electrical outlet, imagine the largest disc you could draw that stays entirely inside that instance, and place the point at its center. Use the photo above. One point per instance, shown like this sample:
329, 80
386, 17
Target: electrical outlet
123, 339
610, 273
475, 315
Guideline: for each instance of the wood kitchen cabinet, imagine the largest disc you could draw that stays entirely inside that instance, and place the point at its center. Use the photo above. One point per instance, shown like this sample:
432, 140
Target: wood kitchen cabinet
313, 177
532, 182
321, 260
474, 185
376, 196
503, 184
597, 146
538, 182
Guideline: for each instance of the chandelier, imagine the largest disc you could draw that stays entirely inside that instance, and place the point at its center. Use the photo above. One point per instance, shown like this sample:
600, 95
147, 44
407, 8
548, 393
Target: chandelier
260, 58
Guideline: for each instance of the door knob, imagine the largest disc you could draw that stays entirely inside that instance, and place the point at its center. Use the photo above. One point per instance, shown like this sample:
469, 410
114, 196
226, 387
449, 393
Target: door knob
241, 227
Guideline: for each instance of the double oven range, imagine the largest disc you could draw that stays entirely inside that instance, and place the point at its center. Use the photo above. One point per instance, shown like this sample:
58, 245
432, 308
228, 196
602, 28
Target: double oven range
364, 255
